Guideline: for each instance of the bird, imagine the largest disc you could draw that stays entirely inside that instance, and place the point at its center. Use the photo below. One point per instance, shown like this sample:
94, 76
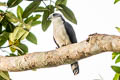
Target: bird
63, 34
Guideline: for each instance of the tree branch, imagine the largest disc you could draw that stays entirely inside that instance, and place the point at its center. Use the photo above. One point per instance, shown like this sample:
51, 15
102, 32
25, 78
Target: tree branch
95, 44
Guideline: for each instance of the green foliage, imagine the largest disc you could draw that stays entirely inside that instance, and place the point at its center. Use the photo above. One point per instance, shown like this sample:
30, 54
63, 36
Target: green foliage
31, 37
19, 33
12, 3
67, 13
13, 45
3, 37
24, 49
32, 18
114, 54
12, 54
1, 15
3, 4
116, 1
118, 29
64, 2
14, 29
19, 12
41, 9
116, 69
0, 28
31, 8
11, 17
9, 26
45, 22
34, 23
118, 59
116, 77
4, 75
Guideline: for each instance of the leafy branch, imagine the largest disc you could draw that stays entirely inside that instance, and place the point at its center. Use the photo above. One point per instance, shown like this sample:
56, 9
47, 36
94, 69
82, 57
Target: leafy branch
14, 29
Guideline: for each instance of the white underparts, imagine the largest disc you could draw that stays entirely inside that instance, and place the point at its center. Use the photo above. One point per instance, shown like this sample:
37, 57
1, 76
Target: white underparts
60, 33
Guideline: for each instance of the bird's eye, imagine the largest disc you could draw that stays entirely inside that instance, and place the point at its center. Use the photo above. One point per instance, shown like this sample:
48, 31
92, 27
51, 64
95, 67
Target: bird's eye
54, 14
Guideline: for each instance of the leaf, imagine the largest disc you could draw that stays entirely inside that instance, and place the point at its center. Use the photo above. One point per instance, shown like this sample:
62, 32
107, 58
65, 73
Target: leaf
64, 2
10, 27
31, 18
11, 48
12, 54
12, 3
3, 38
2, 41
116, 1
3, 4
18, 34
114, 54
24, 35
45, 22
5, 35
68, 13
41, 9
116, 77
31, 8
11, 17
4, 75
116, 69
12, 36
19, 12
2, 14
5, 22
0, 28
118, 29
13, 45
17, 48
34, 23
31, 37
36, 17
23, 47
118, 59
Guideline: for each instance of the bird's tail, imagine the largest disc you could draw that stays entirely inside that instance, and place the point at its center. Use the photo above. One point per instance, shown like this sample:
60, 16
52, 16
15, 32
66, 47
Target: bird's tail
75, 68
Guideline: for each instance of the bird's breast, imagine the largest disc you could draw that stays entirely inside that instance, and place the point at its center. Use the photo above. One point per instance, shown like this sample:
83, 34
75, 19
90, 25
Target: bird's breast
60, 34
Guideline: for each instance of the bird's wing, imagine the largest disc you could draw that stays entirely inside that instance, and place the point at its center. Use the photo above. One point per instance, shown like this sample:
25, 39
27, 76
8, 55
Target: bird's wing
73, 39
70, 31
56, 42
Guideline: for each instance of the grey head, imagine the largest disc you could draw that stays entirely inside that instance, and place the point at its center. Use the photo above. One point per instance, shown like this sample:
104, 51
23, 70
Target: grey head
55, 16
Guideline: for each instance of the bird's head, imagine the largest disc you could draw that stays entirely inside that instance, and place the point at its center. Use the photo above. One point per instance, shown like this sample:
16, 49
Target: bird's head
55, 16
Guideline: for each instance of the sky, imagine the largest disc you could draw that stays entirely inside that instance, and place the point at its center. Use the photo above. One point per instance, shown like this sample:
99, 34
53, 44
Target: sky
93, 16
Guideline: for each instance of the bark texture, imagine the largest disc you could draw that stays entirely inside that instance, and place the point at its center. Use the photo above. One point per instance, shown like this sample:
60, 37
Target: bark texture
95, 44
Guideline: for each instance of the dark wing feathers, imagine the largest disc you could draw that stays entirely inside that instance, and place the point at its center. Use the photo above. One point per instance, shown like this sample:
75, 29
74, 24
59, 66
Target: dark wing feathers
56, 42
70, 31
